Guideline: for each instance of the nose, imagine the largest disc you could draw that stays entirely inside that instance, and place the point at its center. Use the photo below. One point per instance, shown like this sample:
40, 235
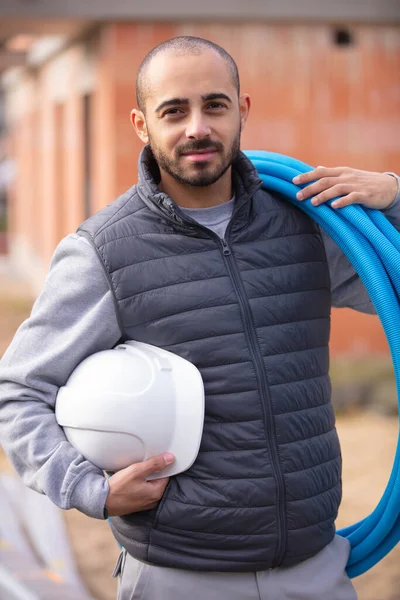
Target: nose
197, 128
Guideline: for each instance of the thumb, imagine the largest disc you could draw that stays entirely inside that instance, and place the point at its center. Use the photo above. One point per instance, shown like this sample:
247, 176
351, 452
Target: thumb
154, 464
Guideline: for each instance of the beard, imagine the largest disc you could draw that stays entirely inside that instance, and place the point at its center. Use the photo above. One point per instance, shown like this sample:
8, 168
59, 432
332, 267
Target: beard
202, 174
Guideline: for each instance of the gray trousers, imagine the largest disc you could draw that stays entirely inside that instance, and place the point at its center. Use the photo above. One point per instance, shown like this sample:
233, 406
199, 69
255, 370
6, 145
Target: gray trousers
322, 577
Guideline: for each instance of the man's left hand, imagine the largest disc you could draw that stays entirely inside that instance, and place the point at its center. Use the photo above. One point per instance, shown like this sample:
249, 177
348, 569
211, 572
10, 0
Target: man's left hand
375, 190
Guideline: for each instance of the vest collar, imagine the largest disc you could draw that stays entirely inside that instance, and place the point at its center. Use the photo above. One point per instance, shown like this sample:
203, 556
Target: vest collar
244, 176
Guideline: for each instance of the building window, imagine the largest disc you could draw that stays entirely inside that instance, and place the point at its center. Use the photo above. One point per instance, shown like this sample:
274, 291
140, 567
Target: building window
343, 37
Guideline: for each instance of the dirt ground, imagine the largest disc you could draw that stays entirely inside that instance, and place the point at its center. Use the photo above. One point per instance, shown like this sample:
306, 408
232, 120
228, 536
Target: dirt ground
368, 446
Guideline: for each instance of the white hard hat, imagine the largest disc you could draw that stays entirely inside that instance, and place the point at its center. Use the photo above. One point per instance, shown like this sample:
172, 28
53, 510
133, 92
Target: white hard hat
131, 403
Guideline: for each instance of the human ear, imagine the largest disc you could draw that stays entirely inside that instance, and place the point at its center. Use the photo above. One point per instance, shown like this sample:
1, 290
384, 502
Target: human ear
244, 107
139, 124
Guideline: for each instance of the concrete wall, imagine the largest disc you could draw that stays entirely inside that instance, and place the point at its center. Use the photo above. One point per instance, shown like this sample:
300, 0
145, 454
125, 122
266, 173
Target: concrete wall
323, 103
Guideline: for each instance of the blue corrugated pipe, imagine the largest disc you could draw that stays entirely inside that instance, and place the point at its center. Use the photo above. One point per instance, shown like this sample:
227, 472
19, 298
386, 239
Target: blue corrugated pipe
372, 245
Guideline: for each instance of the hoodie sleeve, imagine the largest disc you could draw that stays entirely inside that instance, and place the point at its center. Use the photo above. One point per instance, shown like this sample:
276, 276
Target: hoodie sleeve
73, 317
347, 288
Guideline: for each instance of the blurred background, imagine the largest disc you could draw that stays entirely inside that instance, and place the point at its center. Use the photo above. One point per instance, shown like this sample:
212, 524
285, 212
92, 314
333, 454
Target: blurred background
324, 78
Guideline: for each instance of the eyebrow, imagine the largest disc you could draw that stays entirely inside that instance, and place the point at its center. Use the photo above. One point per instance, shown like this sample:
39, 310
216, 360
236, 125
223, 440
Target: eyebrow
185, 101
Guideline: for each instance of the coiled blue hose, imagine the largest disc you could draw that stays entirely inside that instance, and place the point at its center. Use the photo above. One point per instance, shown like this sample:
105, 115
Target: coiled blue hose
372, 245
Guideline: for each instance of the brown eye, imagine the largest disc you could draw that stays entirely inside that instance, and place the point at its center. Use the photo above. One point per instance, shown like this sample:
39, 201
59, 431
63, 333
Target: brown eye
216, 105
172, 112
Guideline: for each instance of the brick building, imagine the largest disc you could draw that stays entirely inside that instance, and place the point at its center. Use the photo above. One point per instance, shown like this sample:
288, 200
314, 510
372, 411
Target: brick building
324, 82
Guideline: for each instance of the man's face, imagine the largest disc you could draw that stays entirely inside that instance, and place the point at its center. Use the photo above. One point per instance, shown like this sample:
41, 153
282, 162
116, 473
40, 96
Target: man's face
193, 116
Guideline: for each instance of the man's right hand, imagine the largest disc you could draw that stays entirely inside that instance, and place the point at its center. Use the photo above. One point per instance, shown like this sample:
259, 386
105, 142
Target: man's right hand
131, 492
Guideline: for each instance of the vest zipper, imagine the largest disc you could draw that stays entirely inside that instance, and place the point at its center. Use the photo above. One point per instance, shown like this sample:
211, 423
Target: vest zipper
225, 248
269, 426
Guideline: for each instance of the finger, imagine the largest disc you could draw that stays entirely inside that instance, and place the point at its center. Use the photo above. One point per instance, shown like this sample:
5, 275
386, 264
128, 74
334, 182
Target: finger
315, 174
315, 188
159, 482
352, 198
341, 189
156, 487
155, 492
154, 464
151, 506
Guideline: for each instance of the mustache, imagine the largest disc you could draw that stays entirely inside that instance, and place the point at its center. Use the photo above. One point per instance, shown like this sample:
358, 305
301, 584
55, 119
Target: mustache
200, 145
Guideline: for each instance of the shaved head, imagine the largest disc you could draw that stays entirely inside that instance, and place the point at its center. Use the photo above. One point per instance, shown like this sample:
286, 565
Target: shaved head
181, 45
191, 114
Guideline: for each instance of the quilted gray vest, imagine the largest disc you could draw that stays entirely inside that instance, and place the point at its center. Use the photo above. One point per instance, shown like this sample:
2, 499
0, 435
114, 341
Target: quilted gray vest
252, 312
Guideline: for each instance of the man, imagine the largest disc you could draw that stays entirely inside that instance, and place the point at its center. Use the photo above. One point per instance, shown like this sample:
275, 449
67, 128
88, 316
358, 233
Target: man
199, 260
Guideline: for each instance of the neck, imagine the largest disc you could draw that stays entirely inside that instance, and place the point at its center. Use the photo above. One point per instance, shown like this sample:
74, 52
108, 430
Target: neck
189, 196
